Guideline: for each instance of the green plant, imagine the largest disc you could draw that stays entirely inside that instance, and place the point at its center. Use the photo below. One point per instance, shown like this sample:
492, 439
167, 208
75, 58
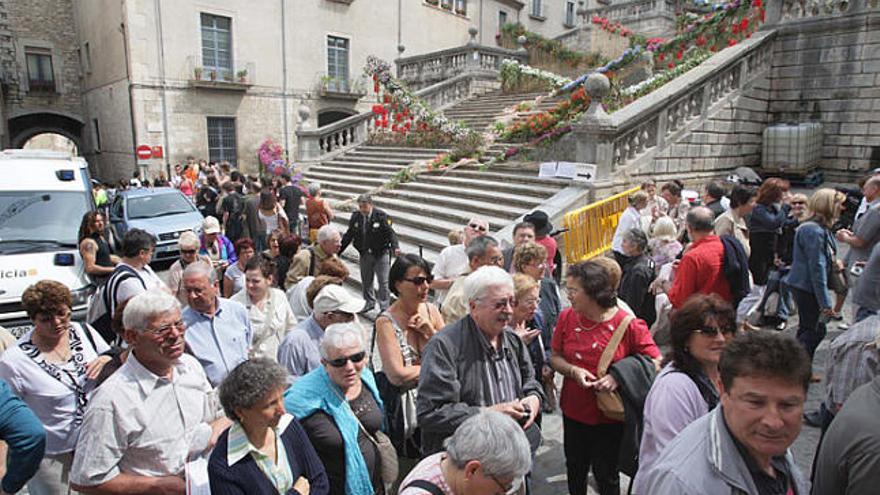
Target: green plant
524, 106
467, 147
402, 176
499, 127
197, 72
242, 74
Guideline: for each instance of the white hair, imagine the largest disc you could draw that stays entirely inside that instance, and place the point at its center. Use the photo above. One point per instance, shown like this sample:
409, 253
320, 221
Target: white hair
341, 335
200, 268
189, 239
326, 233
477, 283
146, 306
496, 441
314, 188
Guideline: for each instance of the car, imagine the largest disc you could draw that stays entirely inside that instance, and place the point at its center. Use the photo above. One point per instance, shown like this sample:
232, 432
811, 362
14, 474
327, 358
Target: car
40, 212
164, 212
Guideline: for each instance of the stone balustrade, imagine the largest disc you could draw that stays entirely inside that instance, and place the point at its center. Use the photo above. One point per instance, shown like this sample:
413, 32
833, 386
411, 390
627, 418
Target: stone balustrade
332, 139
631, 10
421, 71
629, 138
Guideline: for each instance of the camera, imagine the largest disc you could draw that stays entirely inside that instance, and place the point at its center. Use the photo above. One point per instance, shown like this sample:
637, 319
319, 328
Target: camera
527, 412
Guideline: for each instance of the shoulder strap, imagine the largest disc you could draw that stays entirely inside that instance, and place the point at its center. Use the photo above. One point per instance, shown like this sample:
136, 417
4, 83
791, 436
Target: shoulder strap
424, 485
311, 261
611, 348
87, 329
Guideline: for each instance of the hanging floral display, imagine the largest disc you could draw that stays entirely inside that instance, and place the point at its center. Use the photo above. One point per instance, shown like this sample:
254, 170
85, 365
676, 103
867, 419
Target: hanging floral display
513, 72
400, 111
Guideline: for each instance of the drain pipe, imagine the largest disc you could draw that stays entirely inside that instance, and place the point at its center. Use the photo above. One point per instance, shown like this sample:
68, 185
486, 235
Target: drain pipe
123, 26
163, 86
284, 79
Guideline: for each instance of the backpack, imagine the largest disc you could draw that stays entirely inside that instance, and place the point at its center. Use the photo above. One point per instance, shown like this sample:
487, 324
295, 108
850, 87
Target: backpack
736, 269
103, 302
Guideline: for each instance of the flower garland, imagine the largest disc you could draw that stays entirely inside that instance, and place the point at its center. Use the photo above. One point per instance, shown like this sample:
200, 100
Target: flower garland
661, 78
512, 71
728, 24
402, 109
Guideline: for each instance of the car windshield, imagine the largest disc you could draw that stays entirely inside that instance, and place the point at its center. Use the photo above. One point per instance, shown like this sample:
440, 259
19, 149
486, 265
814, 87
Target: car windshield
33, 218
158, 205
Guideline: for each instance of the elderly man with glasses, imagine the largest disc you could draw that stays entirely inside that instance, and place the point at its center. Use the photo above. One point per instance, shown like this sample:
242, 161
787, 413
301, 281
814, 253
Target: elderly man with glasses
483, 251
189, 245
154, 414
478, 363
453, 260
300, 351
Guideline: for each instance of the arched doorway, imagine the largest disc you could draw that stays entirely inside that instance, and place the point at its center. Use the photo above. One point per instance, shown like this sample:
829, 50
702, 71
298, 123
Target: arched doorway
326, 117
23, 127
52, 141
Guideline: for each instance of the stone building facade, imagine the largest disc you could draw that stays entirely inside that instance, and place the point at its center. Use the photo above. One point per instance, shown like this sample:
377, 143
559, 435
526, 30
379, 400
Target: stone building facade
214, 80
41, 74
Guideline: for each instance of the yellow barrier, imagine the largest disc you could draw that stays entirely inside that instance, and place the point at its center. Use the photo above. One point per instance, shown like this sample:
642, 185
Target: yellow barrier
591, 228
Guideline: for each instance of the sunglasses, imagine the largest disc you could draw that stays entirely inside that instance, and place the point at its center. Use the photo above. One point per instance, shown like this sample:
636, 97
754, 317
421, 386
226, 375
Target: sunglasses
714, 331
188, 251
419, 280
354, 358
476, 226
798, 202
503, 303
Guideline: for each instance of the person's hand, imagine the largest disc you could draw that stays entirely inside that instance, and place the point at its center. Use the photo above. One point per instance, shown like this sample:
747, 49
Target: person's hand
514, 409
93, 369
421, 325
534, 405
547, 372
843, 235
217, 427
582, 377
526, 335
829, 312
605, 384
302, 486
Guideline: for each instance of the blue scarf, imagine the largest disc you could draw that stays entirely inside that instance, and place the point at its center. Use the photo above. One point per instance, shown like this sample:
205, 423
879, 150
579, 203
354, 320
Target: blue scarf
315, 392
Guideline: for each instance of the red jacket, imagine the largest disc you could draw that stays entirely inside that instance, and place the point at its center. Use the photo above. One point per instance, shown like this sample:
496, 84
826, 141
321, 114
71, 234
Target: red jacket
701, 271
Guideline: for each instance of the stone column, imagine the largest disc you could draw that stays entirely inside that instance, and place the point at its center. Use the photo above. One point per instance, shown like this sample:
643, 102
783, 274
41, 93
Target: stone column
595, 132
307, 138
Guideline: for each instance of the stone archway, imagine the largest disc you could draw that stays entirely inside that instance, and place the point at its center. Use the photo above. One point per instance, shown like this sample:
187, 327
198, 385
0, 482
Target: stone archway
331, 115
25, 126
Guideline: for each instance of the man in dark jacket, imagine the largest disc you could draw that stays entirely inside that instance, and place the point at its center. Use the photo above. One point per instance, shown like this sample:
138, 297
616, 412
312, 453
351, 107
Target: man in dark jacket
477, 363
712, 197
638, 273
370, 230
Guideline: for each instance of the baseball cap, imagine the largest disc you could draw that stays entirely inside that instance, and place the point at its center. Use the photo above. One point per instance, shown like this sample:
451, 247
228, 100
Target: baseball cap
337, 298
211, 225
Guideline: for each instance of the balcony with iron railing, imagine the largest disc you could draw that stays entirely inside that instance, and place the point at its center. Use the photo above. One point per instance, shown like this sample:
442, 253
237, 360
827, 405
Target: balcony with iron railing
340, 88
238, 77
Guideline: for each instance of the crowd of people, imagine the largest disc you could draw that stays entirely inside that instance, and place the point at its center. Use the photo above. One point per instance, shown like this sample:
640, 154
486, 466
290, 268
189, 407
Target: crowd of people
248, 370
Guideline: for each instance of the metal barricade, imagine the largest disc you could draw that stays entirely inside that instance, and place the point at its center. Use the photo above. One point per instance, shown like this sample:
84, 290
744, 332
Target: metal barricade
591, 228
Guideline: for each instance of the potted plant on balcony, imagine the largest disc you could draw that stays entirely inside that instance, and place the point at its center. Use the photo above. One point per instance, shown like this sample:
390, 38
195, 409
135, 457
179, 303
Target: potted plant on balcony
433, 2
227, 75
212, 74
197, 73
242, 75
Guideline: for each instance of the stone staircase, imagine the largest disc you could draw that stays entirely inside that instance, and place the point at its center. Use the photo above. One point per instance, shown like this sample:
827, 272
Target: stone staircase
426, 209
479, 112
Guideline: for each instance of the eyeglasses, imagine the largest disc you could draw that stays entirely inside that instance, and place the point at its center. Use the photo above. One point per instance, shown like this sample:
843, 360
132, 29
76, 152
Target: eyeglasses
354, 358
419, 280
164, 330
714, 331
532, 301
798, 202
476, 226
505, 490
342, 314
188, 251
503, 303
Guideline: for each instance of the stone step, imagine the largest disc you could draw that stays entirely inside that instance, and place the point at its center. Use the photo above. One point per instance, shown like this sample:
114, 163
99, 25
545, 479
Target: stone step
385, 159
460, 200
436, 211
490, 196
327, 179
354, 172
488, 184
401, 153
412, 236
335, 189
400, 149
516, 176
390, 169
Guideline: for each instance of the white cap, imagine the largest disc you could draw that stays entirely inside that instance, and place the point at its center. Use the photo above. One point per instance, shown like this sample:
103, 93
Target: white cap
211, 225
337, 298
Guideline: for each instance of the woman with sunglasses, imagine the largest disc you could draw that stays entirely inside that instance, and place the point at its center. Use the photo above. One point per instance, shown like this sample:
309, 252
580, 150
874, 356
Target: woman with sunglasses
189, 245
401, 333
591, 439
338, 405
688, 385
53, 369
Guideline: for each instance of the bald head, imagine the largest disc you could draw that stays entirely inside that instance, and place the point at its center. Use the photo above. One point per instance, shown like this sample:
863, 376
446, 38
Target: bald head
700, 220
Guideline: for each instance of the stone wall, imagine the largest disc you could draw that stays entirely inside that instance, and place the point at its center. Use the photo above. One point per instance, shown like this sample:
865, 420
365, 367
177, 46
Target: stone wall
827, 69
727, 138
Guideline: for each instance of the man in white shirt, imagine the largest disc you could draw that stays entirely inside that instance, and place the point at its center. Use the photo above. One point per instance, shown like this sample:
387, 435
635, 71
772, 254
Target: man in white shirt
153, 415
453, 261
631, 218
137, 251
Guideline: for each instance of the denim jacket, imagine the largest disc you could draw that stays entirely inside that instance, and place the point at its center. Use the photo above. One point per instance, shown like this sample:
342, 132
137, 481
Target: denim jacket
812, 256
767, 219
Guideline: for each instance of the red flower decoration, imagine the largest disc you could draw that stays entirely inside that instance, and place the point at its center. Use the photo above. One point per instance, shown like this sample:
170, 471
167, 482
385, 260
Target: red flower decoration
744, 24
756, 3
679, 55
671, 65
662, 57
731, 42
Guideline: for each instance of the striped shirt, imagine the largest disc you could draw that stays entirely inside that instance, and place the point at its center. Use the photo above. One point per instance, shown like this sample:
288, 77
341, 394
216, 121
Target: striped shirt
278, 473
853, 360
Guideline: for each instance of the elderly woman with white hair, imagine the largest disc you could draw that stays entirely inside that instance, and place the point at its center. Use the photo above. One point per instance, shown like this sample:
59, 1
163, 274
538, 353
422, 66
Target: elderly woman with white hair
487, 454
266, 451
189, 244
318, 211
340, 409
478, 362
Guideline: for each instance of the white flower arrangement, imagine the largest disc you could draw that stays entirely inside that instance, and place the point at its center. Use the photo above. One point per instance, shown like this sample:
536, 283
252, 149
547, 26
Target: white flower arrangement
513, 69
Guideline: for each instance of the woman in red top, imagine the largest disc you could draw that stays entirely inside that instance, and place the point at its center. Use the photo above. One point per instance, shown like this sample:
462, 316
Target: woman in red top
582, 333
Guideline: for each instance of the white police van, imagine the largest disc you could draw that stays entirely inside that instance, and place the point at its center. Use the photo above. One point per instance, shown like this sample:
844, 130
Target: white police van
43, 197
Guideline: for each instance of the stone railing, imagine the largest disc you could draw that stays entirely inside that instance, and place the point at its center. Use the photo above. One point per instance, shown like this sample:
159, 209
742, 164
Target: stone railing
424, 70
630, 137
794, 10
327, 141
630, 10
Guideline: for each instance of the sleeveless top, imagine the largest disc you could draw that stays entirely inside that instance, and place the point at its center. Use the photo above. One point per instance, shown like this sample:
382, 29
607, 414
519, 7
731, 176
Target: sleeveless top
410, 353
102, 257
271, 221
315, 213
